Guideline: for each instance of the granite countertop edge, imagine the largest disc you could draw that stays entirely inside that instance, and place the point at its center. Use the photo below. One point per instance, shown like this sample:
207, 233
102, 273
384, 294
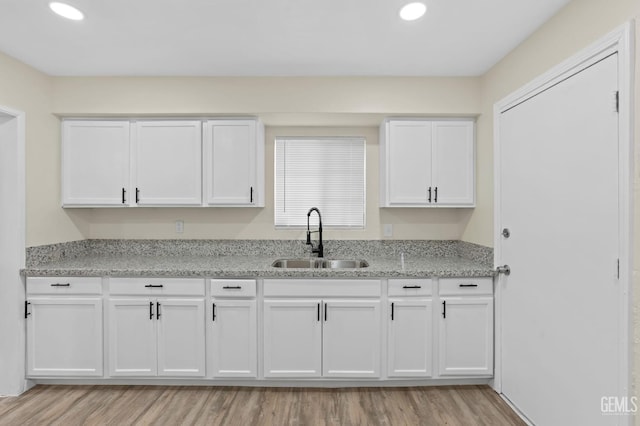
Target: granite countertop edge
250, 267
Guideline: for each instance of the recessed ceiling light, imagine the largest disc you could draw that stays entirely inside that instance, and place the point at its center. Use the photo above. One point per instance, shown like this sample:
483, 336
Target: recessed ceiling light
66, 11
413, 11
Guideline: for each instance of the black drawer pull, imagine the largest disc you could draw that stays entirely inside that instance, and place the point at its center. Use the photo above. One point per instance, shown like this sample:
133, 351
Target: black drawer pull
232, 287
411, 286
154, 285
392, 311
26, 309
468, 285
61, 285
213, 309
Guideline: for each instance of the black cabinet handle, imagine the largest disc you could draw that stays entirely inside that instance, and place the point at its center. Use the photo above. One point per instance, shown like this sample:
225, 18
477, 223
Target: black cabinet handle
468, 285
150, 310
411, 286
61, 285
391, 311
429, 194
213, 309
444, 309
318, 312
26, 309
154, 285
325, 312
435, 199
137, 195
124, 192
232, 287
251, 197
158, 310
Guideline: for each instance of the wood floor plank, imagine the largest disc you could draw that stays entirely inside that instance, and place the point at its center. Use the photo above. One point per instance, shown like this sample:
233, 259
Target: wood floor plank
242, 406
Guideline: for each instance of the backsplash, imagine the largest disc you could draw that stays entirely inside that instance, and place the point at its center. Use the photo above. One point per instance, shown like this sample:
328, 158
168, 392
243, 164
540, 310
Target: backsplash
277, 248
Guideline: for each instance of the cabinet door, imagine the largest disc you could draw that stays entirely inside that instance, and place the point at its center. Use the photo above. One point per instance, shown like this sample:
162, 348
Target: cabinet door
351, 339
64, 337
168, 163
466, 336
453, 163
95, 163
132, 337
410, 338
233, 347
181, 337
292, 338
408, 156
232, 162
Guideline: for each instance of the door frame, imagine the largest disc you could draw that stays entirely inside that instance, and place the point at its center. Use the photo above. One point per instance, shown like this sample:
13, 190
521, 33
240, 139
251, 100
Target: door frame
12, 295
619, 40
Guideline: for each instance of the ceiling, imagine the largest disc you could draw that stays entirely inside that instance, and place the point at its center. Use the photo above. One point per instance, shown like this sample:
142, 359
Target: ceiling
268, 37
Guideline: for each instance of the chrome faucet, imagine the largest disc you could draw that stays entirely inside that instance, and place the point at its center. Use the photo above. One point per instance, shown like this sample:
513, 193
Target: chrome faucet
320, 248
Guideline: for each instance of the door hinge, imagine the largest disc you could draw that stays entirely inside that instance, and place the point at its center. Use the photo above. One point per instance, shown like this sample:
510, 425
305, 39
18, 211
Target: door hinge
617, 100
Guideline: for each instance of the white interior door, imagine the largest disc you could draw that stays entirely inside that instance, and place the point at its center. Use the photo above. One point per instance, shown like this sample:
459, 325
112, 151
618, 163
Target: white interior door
558, 196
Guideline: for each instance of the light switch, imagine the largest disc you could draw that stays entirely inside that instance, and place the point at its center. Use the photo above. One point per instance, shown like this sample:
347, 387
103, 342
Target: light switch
179, 226
387, 230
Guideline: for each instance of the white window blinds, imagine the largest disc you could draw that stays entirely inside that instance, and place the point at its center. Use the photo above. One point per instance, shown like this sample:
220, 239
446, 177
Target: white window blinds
327, 173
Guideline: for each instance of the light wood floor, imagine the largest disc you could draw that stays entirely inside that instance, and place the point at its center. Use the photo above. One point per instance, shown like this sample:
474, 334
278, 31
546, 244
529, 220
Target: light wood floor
194, 405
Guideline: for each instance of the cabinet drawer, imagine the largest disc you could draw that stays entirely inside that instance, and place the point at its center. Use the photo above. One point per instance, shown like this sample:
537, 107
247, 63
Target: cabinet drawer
64, 285
321, 288
409, 287
157, 286
464, 286
233, 288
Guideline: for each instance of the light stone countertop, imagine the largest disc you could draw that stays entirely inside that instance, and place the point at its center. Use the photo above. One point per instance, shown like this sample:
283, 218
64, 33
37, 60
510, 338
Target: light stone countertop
251, 266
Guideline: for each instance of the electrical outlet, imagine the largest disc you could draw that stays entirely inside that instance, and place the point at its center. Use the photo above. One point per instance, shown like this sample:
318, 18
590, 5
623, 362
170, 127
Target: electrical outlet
179, 226
387, 230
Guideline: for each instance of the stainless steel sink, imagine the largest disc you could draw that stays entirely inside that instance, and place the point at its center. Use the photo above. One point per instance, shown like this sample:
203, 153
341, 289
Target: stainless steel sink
320, 263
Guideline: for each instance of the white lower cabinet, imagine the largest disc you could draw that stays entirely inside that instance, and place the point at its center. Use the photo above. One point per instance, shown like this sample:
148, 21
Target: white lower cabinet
292, 338
328, 338
64, 324
466, 327
232, 349
410, 344
351, 338
64, 336
298, 328
163, 337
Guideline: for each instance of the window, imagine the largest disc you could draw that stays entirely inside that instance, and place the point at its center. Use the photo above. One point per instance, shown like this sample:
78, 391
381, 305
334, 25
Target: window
327, 173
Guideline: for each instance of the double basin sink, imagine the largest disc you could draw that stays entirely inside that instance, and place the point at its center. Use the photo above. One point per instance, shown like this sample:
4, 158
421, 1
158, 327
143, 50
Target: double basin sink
320, 263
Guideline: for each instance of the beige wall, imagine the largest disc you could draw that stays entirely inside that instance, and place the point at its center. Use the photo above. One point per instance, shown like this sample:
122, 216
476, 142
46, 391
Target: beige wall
290, 107
578, 25
253, 223
575, 27
24, 89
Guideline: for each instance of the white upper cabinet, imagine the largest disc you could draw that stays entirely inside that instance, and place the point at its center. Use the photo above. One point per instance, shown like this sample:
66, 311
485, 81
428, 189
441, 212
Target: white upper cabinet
427, 163
158, 163
234, 163
95, 163
168, 163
